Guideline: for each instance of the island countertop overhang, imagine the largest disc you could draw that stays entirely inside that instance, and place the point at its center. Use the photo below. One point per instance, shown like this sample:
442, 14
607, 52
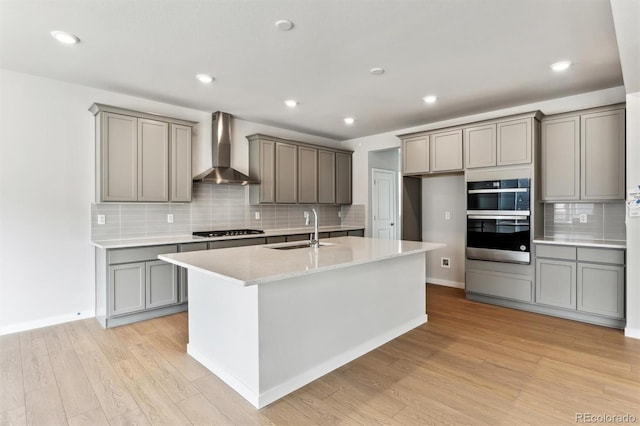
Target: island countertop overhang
252, 265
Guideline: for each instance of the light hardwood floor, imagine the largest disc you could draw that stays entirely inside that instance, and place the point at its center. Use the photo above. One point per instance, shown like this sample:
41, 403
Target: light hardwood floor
470, 364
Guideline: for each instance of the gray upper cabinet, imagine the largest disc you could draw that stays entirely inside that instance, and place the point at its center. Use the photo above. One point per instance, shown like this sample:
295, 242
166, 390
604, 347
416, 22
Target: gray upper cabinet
415, 155
118, 179
326, 177
141, 157
514, 139
180, 171
446, 151
602, 158
307, 175
583, 156
480, 146
343, 178
292, 172
560, 161
153, 160
286, 173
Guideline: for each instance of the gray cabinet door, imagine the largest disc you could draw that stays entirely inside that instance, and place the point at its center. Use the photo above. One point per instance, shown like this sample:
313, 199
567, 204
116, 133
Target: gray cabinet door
560, 161
267, 164
480, 146
556, 283
415, 155
119, 157
446, 151
326, 177
153, 160
286, 173
514, 142
161, 284
180, 181
343, 178
602, 142
183, 276
307, 175
601, 289
126, 288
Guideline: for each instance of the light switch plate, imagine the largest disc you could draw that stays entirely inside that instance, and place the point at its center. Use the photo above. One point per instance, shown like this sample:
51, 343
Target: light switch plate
257, 215
447, 215
583, 218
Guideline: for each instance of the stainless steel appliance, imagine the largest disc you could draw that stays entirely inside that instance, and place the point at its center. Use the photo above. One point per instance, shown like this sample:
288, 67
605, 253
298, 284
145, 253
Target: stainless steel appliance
227, 233
498, 220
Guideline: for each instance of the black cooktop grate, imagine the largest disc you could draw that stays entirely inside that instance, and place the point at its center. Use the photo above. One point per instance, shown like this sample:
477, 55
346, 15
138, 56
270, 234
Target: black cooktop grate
227, 232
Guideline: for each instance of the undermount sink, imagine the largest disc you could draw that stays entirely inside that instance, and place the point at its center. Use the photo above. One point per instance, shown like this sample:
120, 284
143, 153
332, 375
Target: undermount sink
297, 246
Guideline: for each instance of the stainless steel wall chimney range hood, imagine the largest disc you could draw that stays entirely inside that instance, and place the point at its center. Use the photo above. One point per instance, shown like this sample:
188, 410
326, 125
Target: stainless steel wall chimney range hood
221, 171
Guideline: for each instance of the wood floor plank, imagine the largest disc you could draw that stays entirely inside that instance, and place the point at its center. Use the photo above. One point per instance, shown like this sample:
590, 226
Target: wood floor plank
113, 395
156, 405
43, 406
11, 378
15, 417
200, 411
94, 417
181, 361
318, 410
173, 383
75, 389
283, 413
130, 418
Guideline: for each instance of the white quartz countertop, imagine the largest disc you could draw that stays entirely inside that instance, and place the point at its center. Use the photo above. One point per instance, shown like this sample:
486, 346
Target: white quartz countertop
569, 241
261, 264
183, 239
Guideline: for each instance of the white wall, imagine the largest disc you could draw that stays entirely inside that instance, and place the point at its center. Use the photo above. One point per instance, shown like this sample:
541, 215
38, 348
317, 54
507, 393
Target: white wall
633, 223
439, 195
46, 190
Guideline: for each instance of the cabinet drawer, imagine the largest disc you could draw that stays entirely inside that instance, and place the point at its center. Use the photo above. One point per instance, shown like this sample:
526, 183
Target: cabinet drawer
298, 237
599, 255
499, 285
193, 247
276, 239
338, 234
556, 252
139, 254
242, 242
356, 233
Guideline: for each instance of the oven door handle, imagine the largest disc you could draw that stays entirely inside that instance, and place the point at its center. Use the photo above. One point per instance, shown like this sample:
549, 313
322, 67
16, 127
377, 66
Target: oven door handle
496, 191
497, 217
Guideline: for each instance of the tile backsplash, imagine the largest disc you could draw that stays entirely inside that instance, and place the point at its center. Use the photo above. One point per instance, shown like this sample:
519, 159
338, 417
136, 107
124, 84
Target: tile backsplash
605, 221
212, 207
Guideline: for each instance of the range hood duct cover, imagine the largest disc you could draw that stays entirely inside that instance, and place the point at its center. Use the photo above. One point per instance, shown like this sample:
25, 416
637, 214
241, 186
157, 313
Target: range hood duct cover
221, 171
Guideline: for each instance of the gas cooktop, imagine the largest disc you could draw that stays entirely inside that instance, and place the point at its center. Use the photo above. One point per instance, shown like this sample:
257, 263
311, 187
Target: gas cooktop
227, 233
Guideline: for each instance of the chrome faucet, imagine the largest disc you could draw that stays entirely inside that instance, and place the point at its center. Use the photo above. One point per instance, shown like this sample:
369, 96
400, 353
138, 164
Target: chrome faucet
315, 241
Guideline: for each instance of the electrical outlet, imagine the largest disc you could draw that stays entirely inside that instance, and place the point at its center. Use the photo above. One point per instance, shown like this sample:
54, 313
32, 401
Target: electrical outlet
101, 219
447, 215
445, 262
170, 218
339, 213
257, 215
306, 215
583, 218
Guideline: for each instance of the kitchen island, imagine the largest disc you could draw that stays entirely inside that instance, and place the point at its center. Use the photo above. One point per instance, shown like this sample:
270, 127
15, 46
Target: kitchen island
269, 319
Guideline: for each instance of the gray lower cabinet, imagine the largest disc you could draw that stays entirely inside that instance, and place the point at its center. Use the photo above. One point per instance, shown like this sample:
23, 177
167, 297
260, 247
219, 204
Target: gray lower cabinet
555, 283
356, 233
132, 284
183, 277
583, 279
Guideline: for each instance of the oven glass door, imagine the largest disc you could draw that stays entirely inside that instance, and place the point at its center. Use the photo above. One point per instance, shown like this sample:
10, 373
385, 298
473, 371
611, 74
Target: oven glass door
502, 238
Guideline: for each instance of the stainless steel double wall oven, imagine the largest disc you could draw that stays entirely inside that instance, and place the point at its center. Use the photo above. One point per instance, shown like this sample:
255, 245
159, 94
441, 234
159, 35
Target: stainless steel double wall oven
498, 220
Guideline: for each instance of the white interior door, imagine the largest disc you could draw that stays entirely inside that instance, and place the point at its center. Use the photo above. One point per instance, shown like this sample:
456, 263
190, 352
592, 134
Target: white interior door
383, 200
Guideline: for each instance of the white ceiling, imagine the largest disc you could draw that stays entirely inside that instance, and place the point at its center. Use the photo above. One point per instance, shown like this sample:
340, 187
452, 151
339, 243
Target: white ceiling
475, 55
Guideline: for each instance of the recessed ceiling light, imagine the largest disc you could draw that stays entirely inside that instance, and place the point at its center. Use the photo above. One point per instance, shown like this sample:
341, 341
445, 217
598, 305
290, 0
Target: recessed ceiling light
65, 37
430, 99
376, 71
204, 78
349, 120
291, 103
284, 25
561, 65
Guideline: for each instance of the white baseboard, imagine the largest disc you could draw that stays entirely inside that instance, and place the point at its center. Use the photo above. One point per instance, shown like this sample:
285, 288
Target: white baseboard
445, 283
632, 332
45, 322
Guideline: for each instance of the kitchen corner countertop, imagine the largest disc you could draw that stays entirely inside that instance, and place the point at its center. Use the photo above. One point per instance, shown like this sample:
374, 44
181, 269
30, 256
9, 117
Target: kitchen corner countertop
568, 241
185, 239
253, 265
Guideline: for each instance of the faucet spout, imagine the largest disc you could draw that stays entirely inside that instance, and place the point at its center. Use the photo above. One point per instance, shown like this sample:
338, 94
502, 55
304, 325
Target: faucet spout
315, 241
